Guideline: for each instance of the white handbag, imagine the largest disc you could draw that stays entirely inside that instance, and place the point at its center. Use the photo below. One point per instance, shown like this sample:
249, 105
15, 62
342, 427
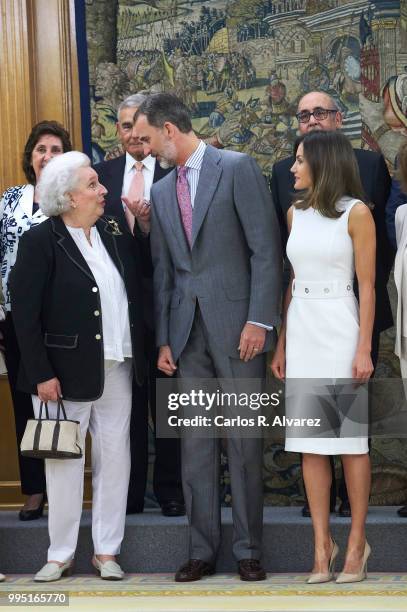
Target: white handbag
46, 438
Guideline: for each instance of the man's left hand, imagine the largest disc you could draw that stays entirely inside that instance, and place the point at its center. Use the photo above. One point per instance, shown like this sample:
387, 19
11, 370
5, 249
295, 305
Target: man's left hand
252, 341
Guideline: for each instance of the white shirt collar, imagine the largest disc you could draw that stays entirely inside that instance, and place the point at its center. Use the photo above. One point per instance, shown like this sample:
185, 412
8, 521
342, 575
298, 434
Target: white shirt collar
195, 160
149, 163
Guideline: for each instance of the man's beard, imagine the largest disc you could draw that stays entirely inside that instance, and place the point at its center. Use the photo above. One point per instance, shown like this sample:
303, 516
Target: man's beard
168, 155
164, 163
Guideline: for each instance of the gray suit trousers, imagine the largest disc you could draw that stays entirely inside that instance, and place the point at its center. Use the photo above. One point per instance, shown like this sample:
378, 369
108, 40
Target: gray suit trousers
200, 459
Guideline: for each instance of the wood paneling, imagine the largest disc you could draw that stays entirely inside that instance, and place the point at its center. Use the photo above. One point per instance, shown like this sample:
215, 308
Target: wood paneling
10, 494
9, 476
38, 77
16, 106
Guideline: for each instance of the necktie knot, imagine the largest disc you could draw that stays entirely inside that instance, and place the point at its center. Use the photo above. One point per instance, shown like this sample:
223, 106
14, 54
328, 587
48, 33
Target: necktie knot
182, 172
139, 166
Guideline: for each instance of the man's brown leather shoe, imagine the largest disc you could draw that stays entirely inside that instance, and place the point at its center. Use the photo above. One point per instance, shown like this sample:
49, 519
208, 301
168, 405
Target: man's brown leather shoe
250, 569
194, 569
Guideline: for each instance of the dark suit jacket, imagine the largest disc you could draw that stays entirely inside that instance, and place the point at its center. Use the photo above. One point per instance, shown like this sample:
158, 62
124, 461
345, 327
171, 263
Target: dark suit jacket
57, 309
376, 183
396, 198
111, 176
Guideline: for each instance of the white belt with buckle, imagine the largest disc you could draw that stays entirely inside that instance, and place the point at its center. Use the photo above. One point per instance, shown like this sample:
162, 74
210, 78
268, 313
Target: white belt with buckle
322, 289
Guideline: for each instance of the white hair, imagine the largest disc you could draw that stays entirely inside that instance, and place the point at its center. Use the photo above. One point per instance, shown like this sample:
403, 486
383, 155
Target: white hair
58, 178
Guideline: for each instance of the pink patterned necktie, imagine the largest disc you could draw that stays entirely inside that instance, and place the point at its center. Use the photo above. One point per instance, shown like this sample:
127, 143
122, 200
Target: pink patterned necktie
184, 202
136, 192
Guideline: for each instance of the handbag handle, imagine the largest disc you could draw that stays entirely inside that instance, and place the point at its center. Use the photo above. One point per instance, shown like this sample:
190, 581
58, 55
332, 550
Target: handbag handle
45, 406
61, 407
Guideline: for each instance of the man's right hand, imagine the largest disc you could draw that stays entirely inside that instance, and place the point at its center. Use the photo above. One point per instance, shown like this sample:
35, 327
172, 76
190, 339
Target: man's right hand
165, 361
50, 390
141, 210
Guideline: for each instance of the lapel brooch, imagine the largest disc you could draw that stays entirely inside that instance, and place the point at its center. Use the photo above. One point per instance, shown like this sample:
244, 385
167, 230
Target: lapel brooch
114, 227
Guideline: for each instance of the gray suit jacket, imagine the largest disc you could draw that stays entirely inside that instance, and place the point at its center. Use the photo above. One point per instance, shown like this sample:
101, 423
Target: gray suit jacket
234, 267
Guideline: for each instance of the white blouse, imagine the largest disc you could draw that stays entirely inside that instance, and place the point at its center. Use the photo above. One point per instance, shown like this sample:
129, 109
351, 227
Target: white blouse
113, 297
15, 218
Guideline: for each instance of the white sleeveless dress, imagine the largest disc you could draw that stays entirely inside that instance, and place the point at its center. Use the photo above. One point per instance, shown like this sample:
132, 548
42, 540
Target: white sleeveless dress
322, 326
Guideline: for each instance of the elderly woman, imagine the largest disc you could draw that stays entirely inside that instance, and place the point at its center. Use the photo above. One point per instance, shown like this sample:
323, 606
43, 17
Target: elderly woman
19, 212
79, 323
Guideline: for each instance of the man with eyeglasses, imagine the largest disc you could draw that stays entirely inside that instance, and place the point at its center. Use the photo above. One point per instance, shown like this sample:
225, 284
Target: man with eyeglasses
318, 111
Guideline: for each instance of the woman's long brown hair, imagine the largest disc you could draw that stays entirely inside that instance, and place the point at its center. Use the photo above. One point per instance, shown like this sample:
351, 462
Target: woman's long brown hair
334, 172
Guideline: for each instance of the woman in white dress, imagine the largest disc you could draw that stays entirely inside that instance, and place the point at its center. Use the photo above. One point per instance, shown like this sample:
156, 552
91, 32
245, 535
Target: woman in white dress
400, 266
332, 234
400, 275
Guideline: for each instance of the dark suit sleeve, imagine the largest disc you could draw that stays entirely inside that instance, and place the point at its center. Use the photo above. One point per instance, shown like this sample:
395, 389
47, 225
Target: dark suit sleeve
28, 281
381, 190
143, 246
259, 221
396, 199
282, 221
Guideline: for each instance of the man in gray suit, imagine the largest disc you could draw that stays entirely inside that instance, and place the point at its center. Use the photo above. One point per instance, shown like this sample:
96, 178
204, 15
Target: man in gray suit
217, 271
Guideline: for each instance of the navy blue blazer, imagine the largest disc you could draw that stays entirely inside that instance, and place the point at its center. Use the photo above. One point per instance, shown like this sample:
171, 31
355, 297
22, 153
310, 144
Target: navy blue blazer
56, 308
111, 176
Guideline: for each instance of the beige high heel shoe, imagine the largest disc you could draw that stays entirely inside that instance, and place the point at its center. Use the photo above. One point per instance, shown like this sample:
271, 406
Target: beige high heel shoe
319, 577
362, 575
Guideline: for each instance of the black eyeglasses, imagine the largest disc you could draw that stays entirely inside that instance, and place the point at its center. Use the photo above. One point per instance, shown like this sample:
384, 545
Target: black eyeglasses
319, 114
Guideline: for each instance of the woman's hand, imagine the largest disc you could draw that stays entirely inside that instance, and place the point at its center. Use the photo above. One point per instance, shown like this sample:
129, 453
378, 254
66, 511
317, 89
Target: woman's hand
278, 362
362, 366
50, 390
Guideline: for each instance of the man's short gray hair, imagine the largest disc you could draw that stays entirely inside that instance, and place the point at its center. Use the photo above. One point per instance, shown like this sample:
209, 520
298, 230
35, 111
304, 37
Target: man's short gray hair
133, 101
58, 178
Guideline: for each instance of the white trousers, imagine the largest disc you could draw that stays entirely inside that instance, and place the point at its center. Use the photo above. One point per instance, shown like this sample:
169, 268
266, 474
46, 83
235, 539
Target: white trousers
108, 421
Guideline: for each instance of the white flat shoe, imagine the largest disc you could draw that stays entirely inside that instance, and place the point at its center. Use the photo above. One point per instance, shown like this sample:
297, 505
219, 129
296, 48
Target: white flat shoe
2, 577
109, 570
53, 571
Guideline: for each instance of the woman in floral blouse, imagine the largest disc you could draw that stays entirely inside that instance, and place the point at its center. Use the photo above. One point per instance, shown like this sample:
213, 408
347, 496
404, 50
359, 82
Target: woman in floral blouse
19, 211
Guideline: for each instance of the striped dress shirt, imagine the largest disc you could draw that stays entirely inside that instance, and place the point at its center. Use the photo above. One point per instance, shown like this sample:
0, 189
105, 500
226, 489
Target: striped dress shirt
194, 164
